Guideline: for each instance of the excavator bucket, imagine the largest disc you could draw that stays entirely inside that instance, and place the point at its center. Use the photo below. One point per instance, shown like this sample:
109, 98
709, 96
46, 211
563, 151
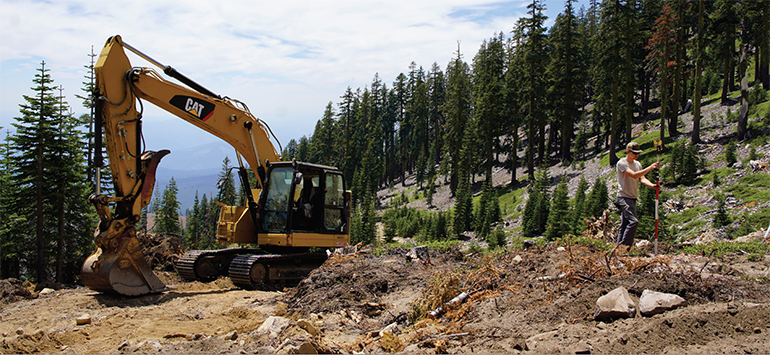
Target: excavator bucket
118, 264
125, 271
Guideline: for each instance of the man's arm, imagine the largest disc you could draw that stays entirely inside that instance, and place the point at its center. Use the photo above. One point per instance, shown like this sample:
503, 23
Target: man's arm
641, 173
646, 182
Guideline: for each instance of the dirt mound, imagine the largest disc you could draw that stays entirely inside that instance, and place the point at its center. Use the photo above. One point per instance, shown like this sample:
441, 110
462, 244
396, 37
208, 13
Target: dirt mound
160, 250
12, 290
346, 282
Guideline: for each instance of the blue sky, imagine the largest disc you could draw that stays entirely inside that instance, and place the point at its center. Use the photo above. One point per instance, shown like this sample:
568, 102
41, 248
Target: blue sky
285, 59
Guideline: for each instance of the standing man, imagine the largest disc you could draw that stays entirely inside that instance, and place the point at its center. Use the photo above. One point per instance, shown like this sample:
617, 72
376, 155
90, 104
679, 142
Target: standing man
630, 172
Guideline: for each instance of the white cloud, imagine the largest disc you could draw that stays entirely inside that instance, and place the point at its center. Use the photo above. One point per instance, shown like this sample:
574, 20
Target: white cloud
285, 59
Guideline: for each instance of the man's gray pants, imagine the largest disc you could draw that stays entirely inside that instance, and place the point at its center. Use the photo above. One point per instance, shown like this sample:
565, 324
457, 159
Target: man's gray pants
628, 220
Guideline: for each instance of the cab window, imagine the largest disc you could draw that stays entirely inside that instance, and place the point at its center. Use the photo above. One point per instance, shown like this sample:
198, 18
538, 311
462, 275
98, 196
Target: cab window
277, 201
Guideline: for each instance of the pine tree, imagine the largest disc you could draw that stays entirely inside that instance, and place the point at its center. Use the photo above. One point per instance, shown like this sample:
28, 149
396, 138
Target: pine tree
322, 141
697, 90
31, 159
533, 89
725, 20
226, 184
167, 216
529, 223
193, 230
558, 225
661, 46
721, 218
458, 110
578, 212
566, 73
12, 222
537, 208
364, 228
598, 199
205, 233
488, 86
464, 200
436, 98
74, 214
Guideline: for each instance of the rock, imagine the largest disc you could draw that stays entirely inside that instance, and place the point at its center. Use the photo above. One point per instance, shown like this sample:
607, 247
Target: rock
616, 304
642, 243
83, 320
561, 249
527, 244
306, 348
47, 291
652, 302
266, 350
582, 348
231, 335
304, 324
273, 326
517, 259
418, 253
756, 236
391, 329
124, 345
20, 331
532, 342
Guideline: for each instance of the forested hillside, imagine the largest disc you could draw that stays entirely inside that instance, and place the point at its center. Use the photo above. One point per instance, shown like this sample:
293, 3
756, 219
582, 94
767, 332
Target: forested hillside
534, 97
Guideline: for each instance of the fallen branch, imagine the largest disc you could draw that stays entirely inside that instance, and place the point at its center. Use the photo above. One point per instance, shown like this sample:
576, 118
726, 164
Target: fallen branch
608, 259
458, 299
706, 263
455, 335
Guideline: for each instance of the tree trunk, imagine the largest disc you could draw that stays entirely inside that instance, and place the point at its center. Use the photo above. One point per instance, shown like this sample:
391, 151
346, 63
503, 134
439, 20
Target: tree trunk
764, 47
531, 143
743, 114
614, 117
514, 154
629, 95
663, 100
646, 94
698, 73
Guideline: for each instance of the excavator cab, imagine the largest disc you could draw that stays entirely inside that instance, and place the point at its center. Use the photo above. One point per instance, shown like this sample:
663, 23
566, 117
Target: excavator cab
304, 198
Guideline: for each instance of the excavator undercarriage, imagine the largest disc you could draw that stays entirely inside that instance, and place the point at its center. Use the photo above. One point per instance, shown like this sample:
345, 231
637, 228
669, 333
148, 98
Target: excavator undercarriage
248, 268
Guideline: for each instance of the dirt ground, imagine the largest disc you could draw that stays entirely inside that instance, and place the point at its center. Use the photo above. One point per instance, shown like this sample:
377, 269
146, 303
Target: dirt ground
539, 300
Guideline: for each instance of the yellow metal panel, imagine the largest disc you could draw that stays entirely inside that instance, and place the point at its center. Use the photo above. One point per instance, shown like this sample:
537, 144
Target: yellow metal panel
278, 239
235, 225
320, 240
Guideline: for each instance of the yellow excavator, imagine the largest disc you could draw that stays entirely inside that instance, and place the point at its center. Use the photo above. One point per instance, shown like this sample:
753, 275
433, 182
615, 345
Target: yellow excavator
294, 206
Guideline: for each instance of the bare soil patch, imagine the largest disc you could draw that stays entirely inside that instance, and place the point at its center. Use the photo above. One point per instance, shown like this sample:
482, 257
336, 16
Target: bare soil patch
531, 301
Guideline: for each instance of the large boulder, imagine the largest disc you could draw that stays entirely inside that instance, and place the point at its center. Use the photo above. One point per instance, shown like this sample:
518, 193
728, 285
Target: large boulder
652, 302
616, 304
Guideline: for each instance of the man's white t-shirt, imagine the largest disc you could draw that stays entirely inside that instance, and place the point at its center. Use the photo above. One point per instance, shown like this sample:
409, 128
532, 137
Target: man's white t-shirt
628, 186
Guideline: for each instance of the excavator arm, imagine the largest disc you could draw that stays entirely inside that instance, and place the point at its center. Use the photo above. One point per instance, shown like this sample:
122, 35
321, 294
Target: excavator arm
118, 263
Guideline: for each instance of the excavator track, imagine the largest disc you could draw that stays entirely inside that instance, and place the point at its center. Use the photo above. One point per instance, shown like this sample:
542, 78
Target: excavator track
208, 265
265, 271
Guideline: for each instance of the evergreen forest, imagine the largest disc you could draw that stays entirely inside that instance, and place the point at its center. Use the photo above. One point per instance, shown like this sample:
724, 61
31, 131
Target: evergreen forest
531, 97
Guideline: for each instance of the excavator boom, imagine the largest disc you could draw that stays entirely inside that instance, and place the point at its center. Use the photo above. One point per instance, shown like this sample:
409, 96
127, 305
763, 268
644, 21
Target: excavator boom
118, 264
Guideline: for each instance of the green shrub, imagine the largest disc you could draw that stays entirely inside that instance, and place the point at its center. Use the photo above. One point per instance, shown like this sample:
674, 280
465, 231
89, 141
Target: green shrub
721, 218
730, 156
757, 96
